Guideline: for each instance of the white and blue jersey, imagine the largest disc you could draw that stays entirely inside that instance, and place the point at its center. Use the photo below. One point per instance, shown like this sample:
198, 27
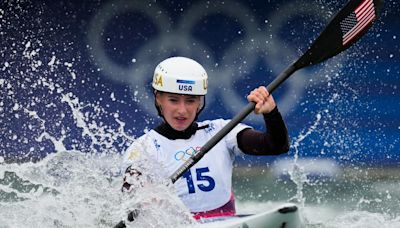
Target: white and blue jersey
208, 184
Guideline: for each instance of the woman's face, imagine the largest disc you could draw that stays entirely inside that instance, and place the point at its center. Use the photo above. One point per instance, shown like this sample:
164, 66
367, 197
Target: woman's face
178, 110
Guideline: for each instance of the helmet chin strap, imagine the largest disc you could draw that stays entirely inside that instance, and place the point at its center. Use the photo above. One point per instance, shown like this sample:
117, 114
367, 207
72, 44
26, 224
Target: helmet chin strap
203, 104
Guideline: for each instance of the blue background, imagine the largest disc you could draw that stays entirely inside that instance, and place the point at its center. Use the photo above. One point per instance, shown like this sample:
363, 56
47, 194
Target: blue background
75, 75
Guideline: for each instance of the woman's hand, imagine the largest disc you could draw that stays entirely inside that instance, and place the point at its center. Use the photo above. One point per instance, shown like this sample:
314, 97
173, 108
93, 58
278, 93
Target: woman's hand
265, 103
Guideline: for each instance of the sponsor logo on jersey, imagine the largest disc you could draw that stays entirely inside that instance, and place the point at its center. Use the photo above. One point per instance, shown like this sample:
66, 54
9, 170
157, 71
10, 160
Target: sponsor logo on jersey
134, 154
184, 155
211, 127
156, 144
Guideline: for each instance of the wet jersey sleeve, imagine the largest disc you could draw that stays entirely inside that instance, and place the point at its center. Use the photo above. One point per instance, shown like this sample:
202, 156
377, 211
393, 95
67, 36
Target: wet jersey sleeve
273, 141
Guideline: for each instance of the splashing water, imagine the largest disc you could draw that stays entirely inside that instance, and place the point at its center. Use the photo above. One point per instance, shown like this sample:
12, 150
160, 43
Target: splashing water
297, 173
66, 169
78, 186
64, 189
71, 189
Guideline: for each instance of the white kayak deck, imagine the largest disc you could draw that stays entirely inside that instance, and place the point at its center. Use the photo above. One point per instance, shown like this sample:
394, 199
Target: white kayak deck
284, 216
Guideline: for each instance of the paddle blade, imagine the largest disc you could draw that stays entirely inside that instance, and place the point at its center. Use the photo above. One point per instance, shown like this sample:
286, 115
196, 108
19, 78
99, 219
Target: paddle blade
346, 28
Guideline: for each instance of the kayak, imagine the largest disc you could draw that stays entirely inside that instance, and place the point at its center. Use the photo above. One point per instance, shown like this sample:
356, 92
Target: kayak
284, 216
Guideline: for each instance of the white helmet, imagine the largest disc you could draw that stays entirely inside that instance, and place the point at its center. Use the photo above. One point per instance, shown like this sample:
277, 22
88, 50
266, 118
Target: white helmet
180, 75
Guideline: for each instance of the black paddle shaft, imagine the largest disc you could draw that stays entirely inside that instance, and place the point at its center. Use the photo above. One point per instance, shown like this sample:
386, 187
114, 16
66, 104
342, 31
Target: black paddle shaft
346, 28
229, 126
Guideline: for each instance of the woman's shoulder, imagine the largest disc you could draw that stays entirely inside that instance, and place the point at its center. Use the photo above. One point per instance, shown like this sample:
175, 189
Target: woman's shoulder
212, 124
141, 145
217, 124
213, 121
144, 139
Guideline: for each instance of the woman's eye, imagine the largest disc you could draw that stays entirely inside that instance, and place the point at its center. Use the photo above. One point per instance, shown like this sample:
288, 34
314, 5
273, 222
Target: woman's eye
191, 101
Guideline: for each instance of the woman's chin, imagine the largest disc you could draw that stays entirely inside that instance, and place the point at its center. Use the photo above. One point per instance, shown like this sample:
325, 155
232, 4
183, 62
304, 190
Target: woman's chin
180, 127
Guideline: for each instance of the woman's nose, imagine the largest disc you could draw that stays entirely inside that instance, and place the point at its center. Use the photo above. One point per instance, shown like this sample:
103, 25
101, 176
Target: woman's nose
181, 107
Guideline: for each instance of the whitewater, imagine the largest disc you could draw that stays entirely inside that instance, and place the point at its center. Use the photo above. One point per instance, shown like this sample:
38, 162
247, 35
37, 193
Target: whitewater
72, 188
78, 182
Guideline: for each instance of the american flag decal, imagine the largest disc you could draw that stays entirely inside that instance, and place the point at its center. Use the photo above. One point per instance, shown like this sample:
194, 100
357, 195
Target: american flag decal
357, 20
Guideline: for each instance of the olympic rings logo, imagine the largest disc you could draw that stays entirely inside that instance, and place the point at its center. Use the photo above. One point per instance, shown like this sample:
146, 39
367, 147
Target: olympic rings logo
184, 155
258, 42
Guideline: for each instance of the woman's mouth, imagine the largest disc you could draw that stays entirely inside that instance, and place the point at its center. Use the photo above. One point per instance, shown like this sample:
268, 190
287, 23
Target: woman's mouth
181, 123
180, 119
